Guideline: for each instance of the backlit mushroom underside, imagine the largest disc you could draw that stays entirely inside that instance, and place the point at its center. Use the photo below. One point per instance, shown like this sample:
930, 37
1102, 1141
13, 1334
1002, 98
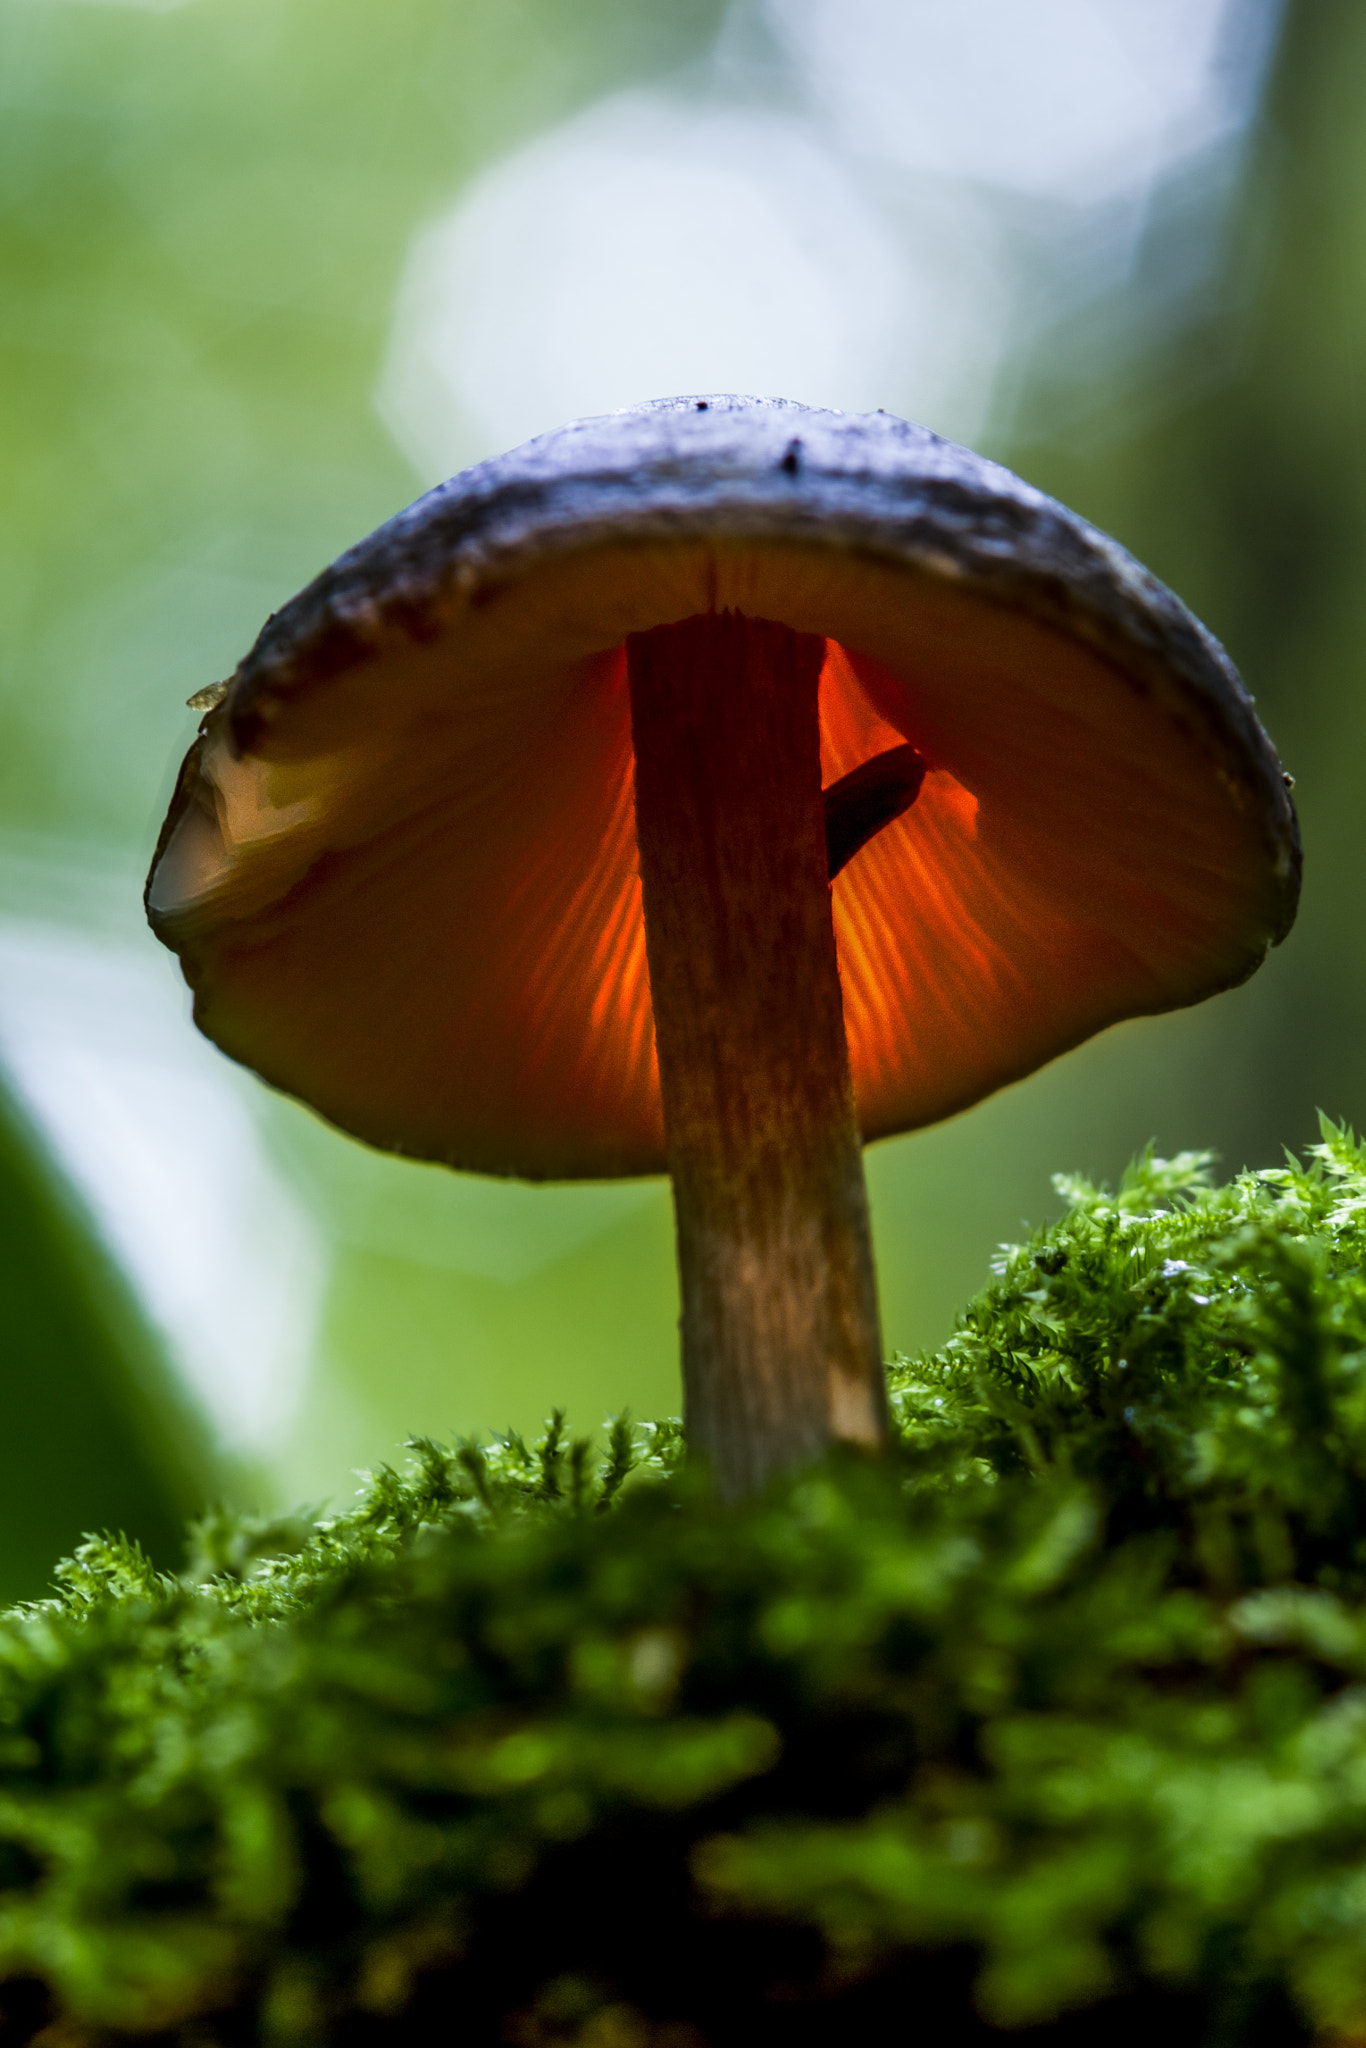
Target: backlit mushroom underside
403, 867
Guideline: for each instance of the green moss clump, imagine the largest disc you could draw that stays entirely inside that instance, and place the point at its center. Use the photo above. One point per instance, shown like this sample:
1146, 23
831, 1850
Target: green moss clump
1054, 1719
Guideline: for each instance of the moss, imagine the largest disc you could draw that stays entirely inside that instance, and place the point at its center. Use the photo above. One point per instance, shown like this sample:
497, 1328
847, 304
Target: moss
1054, 1719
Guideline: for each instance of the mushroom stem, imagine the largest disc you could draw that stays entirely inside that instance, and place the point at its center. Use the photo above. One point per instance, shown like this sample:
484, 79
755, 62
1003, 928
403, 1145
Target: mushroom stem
781, 1349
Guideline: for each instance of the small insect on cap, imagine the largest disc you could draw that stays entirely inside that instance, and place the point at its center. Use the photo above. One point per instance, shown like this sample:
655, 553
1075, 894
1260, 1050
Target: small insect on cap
400, 868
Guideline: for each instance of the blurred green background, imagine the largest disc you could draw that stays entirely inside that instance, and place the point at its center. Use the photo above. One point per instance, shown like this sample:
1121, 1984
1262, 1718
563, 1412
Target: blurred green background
269, 266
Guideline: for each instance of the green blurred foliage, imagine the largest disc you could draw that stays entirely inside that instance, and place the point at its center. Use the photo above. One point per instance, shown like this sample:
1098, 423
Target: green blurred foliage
463, 1344
93, 1434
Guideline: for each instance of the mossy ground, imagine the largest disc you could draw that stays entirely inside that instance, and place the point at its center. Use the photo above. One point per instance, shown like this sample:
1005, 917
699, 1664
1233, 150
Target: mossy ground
1054, 1719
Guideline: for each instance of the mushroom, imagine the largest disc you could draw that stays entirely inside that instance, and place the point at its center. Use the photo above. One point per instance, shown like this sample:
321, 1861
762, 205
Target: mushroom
507, 844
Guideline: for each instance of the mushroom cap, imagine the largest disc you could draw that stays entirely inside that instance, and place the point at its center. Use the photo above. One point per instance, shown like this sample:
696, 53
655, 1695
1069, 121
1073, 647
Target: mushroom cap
400, 864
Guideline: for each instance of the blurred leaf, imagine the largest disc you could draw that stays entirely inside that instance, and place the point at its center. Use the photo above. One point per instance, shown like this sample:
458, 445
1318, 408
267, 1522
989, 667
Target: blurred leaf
93, 1433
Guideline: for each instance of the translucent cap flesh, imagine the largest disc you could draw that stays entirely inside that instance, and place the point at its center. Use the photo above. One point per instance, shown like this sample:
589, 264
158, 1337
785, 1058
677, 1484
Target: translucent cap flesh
400, 866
